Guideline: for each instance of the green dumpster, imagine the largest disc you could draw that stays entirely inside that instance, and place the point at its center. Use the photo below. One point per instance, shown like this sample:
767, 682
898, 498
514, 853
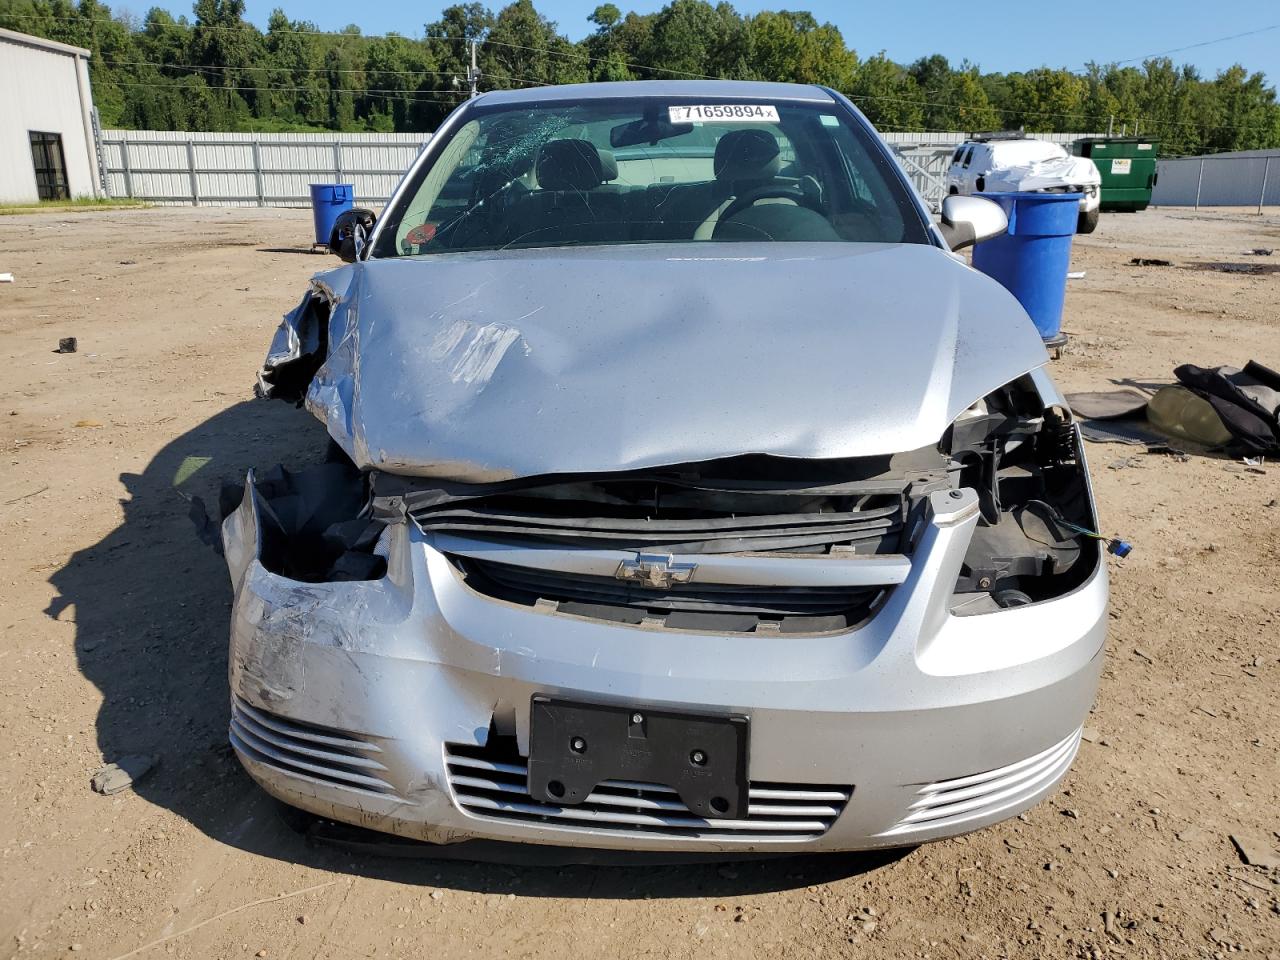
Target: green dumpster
1128, 168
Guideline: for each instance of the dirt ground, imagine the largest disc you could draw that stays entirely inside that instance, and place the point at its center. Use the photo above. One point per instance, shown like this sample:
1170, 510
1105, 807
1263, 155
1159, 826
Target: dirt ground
114, 623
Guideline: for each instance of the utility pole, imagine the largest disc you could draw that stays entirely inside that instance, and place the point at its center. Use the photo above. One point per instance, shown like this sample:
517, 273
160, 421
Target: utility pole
473, 74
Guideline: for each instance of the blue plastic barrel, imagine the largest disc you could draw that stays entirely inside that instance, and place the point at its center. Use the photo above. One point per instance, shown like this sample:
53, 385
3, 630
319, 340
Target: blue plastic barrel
1031, 260
327, 201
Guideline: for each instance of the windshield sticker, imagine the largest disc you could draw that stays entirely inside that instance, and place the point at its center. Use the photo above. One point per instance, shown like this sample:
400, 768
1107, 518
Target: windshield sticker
724, 113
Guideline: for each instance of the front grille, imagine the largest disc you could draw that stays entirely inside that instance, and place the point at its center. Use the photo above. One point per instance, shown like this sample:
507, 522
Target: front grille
317, 753
951, 803
869, 524
730, 607
492, 784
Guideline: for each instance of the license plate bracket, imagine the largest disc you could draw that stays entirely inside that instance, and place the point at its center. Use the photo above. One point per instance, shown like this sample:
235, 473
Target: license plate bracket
573, 747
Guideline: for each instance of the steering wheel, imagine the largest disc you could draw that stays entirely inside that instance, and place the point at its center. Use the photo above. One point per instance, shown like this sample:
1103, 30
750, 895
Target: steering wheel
770, 192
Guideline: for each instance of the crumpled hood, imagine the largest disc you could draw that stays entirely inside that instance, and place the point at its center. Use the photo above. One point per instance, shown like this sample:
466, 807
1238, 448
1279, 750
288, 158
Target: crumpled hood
488, 366
1037, 175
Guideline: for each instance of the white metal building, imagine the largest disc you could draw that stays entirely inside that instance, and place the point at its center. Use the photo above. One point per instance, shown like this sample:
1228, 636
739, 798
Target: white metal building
46, 121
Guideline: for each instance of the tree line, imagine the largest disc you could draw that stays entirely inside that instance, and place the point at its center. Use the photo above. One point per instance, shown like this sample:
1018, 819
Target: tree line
217, 71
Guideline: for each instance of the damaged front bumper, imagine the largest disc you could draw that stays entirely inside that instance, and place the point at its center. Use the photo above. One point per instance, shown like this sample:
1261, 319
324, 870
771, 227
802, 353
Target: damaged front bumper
380, 702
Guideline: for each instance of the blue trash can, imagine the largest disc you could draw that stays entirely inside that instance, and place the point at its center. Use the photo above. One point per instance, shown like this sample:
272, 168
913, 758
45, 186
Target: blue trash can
1031, 260
327, 201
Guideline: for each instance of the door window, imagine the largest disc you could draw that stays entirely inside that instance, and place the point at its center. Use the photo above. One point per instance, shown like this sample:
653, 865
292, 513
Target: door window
51, 167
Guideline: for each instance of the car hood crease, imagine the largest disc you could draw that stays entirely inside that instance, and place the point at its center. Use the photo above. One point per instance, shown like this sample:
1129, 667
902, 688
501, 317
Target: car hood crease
491, 366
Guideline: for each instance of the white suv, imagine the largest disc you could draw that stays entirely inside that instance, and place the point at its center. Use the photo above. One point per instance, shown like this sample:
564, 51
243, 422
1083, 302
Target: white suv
1020, 164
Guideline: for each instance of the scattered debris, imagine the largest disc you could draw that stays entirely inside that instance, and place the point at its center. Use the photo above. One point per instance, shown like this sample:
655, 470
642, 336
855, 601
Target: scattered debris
1108, 926
26, 496
67, 345
1150, 262
1125, 463
1255, 852
122, 774
1254, 269
88, 423
1259, 252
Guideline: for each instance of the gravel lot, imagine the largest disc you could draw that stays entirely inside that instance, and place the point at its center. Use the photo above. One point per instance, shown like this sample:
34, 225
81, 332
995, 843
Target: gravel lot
114, 642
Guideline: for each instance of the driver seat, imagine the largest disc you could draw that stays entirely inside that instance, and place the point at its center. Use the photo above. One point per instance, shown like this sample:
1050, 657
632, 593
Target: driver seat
745, 160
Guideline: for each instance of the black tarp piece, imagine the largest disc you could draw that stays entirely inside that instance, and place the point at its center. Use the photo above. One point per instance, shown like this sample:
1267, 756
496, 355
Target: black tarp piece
314, 523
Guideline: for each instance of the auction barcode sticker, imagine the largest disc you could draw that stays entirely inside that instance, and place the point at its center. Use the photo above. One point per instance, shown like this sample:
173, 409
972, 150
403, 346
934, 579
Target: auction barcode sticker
724, 113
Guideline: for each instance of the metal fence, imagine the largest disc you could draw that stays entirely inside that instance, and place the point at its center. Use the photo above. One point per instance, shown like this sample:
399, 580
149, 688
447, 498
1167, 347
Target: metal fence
247, 169
1241, 180
274, 170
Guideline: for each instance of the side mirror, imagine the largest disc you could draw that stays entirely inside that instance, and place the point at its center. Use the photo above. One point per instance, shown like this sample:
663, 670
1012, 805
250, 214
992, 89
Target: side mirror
970, 220
351, 232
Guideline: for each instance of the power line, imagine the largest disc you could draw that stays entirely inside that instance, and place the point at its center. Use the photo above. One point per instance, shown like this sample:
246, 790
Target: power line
1202, 43
489, 42
583, 57
408, 94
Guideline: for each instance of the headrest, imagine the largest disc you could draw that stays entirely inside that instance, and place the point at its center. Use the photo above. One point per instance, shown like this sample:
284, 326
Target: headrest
609, 164
747, 155
569, 165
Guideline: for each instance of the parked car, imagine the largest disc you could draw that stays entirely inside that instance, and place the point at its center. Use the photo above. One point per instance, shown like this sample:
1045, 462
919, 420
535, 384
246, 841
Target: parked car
686, 493
1015, 163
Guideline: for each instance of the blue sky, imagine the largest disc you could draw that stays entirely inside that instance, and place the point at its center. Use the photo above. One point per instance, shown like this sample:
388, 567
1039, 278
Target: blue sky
996, 36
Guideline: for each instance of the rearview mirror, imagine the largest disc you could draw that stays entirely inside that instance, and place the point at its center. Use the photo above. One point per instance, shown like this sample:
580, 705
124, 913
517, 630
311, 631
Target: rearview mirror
970, 220
650, 130
351, 232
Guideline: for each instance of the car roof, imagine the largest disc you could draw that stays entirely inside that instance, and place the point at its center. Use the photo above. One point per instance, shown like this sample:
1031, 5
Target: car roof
711, 89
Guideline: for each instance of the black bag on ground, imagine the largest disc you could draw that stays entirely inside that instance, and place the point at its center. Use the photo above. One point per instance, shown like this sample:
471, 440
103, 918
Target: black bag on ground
1247, 401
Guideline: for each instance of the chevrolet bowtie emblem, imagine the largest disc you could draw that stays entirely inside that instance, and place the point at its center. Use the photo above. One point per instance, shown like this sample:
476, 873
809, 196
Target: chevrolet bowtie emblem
656, 571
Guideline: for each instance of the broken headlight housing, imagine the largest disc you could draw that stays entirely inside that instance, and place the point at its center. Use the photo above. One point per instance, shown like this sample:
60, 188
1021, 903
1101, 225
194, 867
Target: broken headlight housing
1025, 462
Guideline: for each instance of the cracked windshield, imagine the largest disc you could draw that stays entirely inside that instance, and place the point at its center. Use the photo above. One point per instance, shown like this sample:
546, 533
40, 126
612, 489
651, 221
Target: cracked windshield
649, 171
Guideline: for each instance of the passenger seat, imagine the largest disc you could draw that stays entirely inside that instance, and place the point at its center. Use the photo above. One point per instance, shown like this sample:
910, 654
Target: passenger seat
744, 160
570, 203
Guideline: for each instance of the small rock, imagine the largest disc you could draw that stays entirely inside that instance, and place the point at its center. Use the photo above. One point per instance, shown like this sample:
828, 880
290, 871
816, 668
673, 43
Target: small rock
261, 953
1089, 735
76, 948
1073, 814
741, 918
437, 895
303, 919
122, 774
869, 927
1254, 852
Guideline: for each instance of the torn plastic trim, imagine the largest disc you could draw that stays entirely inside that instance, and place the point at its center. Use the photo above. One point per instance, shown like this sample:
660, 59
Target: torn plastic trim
300, 345
748, 504
1020, 449
310, 526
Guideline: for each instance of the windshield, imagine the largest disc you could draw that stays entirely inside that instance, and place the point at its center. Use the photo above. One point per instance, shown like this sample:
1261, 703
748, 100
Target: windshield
651, 171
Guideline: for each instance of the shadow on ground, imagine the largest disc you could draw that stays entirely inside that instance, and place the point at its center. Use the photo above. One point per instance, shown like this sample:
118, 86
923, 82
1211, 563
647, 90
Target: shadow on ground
306, 250
151, 605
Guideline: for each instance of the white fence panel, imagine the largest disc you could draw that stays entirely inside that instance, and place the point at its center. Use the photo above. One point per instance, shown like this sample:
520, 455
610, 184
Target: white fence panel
261, 169
1232, 181
247, 169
